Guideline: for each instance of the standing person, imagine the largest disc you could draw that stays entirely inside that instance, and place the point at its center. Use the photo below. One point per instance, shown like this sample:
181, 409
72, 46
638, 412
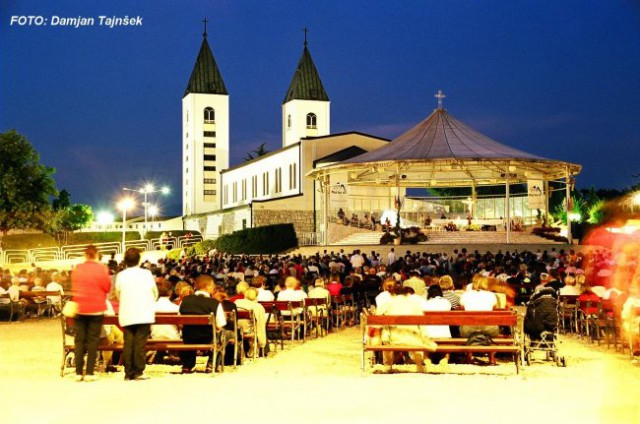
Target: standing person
137, 292
90, 284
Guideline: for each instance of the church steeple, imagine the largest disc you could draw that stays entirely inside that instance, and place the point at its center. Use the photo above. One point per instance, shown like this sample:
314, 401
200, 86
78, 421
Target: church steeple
306, 106
306, 83
205, 77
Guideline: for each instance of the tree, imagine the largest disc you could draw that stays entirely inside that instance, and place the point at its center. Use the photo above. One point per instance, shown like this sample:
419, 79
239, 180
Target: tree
25, 184
66, 217
256, 153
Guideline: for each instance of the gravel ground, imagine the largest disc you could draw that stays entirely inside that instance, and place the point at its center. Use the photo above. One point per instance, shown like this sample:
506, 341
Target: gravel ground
318, 381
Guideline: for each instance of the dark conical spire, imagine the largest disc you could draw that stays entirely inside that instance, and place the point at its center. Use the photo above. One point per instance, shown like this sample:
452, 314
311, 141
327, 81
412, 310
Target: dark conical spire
205, 77
306, 83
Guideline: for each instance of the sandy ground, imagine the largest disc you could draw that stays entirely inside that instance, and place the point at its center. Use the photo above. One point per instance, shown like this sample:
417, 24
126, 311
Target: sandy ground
318, 381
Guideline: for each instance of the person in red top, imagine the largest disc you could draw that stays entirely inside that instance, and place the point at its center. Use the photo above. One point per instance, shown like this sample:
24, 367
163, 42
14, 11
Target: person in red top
588, 296
90, 284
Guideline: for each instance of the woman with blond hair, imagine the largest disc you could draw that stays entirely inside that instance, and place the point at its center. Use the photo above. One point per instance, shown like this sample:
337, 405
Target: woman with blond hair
250, 303
446, 284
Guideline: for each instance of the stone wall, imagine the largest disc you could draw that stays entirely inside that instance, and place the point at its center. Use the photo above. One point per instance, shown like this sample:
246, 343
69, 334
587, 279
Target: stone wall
302, 220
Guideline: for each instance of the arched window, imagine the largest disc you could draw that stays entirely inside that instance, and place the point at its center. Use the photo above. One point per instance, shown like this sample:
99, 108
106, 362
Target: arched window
288, 121
311, 120
209, 115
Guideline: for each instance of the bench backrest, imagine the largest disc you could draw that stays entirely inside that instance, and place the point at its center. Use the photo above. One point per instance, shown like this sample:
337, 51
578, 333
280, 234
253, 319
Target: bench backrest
172, 319
38, 293
506, 318
283, 305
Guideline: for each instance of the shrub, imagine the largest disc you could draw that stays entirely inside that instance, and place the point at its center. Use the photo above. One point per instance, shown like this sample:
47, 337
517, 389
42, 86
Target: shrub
174, 254
267, 239
27, 241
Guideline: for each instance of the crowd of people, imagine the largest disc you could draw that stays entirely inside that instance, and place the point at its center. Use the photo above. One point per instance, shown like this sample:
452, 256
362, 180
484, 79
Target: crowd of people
411, 283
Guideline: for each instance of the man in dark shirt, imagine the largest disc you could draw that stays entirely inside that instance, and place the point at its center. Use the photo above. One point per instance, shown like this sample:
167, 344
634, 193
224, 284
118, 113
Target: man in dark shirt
200, 303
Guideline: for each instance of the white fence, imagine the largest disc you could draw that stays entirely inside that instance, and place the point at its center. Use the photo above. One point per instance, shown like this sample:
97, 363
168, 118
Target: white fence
43, 254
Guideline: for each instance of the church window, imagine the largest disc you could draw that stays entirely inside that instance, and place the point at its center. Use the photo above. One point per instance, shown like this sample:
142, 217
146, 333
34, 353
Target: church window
225, 194
209, 115
209, 180
293, 176
209, 134
210, 145
312, 121
209, 168
209, 157
210, 192
288, 121
265, 183
235, 191
254, 186
278, 185
244, 189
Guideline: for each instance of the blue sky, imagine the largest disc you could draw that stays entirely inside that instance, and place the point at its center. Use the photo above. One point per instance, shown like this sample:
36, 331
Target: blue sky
102, 105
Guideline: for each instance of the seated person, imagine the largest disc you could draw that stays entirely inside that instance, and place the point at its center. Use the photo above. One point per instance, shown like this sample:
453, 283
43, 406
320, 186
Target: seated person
200, 303
53, 286
250, 303
264, 295
479, 299
293, 292
402, 304
164, 305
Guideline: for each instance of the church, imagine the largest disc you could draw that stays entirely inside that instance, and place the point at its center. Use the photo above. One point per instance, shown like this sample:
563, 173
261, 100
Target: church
218, 199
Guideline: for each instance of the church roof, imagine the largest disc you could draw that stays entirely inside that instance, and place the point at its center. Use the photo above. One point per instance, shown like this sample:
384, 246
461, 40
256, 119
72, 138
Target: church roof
441, 136
306, 83
205, 77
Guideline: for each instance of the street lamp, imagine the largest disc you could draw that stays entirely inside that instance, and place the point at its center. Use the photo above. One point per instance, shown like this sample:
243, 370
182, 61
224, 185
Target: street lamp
124, 204
146, 191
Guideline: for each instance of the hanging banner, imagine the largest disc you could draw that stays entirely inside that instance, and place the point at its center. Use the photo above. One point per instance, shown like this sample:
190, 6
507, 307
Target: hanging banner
339, 198
535, 190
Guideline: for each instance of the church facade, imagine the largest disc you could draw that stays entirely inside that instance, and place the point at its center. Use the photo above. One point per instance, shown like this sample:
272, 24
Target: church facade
272, 188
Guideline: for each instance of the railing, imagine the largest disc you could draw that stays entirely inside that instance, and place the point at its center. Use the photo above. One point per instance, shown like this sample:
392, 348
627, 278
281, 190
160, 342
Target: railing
312, 238
77, 251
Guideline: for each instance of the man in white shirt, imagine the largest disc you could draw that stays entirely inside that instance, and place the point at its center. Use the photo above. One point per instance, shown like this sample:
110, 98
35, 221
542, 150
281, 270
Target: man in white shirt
165, 305
391, 257
54, 285
357, 261
137, 292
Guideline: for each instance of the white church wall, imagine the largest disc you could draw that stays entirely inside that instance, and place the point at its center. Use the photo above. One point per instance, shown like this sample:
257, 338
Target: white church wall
270, 177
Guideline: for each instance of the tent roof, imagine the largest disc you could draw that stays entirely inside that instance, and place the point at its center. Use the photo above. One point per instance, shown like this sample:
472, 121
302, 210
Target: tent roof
441, 136
441, 151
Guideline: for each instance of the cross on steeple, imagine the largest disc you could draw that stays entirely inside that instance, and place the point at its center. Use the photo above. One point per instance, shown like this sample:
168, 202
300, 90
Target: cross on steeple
439, 95
205, 21
305, 30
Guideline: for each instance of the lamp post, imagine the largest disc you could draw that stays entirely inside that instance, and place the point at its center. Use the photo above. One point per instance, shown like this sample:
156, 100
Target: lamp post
146, 191
125, 204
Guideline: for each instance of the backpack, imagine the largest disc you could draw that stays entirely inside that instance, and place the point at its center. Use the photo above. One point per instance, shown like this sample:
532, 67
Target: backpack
478, 338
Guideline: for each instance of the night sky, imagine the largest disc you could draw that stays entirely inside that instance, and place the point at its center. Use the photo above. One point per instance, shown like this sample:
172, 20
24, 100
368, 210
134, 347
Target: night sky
103, 105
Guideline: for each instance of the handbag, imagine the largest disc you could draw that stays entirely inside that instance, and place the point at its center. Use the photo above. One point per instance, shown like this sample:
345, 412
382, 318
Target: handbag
70, 309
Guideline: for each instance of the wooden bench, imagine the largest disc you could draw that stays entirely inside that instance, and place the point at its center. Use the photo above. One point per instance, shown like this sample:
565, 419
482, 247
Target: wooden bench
513, 345
41, 299
216, 346
291, 316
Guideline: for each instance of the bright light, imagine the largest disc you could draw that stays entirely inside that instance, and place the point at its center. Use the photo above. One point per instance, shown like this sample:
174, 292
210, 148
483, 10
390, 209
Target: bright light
126, 204
165, 190
636, 198
104, 218
391, 215
149, 188
153, 211
575, 217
